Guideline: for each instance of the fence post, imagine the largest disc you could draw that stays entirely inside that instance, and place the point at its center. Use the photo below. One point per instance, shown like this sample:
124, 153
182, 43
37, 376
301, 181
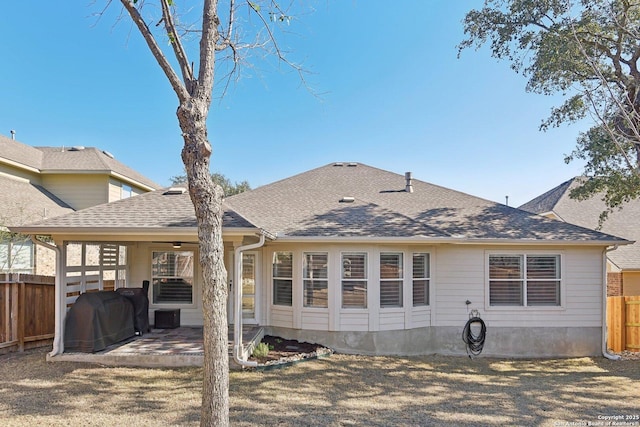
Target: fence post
21, 314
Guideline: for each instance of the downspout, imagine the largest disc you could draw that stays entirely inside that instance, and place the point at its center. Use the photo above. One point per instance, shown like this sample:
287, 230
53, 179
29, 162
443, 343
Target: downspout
237, 303
605, 350
58, 346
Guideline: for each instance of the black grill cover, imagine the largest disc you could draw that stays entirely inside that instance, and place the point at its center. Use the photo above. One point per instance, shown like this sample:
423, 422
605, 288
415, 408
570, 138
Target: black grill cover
140, 301
96, 320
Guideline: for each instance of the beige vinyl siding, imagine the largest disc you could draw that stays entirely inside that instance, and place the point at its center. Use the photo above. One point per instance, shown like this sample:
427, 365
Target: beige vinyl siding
139, 269
13, 172
314, 319
115, 189
79, 191
461, 277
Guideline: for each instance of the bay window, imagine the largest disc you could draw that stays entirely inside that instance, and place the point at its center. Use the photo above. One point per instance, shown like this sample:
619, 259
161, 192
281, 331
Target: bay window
283, 278
390, 280
354, 280
315, 279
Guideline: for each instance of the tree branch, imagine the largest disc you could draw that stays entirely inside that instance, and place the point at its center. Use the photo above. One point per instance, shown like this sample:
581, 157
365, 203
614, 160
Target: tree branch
174, 80
176, 43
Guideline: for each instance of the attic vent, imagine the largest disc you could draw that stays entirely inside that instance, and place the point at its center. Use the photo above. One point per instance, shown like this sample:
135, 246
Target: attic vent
338, 164
108, 154
77, 148
174, 190
347, 199
352, 164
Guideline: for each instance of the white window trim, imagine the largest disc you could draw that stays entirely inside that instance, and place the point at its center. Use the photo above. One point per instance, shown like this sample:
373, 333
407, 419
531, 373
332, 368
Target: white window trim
195, 287
368, 254
272, 278
312, 309
521, 308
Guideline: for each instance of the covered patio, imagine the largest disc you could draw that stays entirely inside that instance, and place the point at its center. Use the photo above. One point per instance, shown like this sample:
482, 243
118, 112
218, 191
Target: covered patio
182, 346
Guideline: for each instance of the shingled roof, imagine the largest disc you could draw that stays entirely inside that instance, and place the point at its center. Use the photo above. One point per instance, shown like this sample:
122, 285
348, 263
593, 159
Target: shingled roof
586, 213
52, 160
23, 202
340, 201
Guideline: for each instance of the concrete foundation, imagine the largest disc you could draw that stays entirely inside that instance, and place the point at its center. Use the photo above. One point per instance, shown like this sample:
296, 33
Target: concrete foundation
447, 340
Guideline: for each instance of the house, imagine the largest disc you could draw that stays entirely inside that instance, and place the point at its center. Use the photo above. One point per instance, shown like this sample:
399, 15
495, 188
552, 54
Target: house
357, 258
37, 183
623, 266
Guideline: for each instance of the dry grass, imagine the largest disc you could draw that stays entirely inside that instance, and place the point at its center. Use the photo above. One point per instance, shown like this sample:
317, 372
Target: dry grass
338, 391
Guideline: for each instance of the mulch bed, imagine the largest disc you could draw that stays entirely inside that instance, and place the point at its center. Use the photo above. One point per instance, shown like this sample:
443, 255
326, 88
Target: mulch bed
283, 351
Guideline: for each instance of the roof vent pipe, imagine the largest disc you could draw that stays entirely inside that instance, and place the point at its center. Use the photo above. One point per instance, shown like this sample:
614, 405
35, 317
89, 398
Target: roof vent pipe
409, 187
13, 134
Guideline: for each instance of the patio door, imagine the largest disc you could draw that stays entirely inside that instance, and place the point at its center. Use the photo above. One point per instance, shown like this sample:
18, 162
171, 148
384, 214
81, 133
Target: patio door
249, 279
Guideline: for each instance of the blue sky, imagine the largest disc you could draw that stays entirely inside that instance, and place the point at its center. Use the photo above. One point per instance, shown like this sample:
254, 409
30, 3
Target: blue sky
388, 91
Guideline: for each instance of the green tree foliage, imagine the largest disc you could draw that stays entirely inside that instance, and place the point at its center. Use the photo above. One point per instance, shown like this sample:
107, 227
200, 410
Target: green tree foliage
588, 51
229, 188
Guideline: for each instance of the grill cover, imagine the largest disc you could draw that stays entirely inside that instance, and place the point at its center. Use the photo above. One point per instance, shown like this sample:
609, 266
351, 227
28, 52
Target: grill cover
96, 320
140, 301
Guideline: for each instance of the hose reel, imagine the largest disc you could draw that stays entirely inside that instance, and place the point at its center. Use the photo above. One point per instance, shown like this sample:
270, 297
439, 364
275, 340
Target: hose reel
474, 333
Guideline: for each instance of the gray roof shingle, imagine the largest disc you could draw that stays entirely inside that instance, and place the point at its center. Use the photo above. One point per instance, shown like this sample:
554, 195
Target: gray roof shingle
309, 205
624, 222
68, 160
23, 202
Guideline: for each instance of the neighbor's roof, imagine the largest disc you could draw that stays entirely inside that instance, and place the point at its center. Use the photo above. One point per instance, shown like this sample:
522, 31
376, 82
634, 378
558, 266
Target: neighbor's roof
55, 160
23, 202
155, 211
624, 223
312, 205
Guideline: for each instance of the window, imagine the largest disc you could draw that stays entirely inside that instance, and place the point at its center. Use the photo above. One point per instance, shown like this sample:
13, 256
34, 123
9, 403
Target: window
126, 191
314, 272
390, 280
172, 277
282, 278
16, 256
421, 276
354, 280
524, 280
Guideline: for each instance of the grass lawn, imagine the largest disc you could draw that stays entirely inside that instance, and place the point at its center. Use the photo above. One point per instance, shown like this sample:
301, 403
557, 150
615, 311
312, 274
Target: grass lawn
341, 390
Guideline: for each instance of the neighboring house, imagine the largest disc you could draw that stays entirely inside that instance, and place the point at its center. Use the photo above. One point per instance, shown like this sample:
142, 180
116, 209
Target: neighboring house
360, 259
623, 267
37, 183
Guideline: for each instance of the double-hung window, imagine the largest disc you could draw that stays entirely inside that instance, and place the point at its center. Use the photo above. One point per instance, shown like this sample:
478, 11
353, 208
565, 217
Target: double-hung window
315, 279
282, 278
390, 279
172, 277
524, 280
421, 277
354, 280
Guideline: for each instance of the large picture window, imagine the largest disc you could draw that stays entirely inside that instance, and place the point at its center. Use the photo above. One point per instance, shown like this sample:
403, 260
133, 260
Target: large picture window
282, 278
354, 280
172, 277
524, 280
421, 277
315, 275
390, 280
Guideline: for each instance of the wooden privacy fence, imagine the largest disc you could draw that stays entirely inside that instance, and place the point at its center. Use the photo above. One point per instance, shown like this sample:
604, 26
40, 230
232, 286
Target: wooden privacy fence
623, 323
27, 311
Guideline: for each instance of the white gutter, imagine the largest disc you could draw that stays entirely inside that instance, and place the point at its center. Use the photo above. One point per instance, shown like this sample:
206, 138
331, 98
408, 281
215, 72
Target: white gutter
58, 343
605, 350
237, 303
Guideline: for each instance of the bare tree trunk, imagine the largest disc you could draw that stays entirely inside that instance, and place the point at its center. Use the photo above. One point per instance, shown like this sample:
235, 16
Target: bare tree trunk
207, 200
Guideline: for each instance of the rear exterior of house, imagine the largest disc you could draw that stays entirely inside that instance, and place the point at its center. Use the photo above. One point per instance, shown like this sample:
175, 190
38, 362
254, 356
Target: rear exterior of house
359, 259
